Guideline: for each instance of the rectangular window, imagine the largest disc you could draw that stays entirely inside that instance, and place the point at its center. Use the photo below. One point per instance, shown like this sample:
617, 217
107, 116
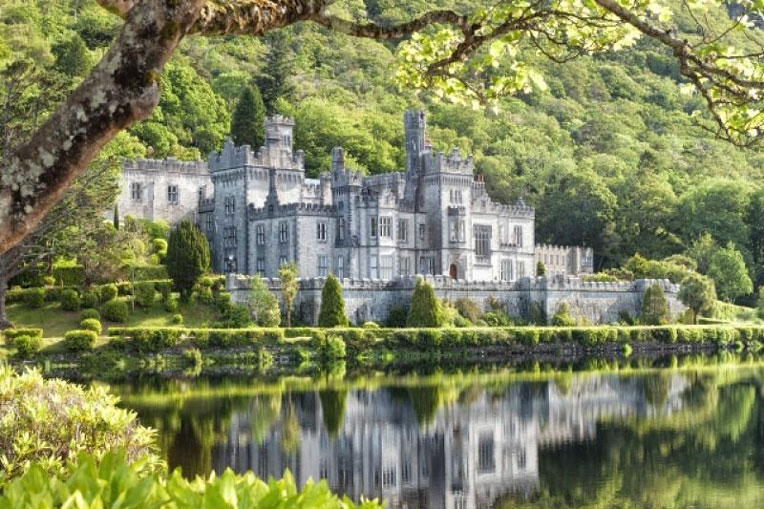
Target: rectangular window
486, 461
261, 266
422, 231
229, 204
172, 195
339, 269
341, 228
260, 234
385, 227
518, 234
404, 266
520, 269
136, 191
209, 222
323, 266
283, 260
386, 263
425, 265
321, 231
388, 477
229, 236
456, 230
403, 230
373, 227
283, 232
482, 241
373, 267
506, 270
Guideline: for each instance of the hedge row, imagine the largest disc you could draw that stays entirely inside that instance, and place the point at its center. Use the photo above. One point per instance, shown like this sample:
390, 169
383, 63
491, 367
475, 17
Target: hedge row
11, 334
49, 293
156, 338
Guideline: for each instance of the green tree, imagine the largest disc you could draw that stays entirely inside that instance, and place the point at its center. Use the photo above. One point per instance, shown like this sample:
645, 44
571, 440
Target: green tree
760, 303
727, 269
188, 257
332, 313
697, 293
275, 83
289, 288
73, 57
540, 269
262, 304
425, 308
248, 120
755, 220
562, 317
333, 409
702, 250
654, 306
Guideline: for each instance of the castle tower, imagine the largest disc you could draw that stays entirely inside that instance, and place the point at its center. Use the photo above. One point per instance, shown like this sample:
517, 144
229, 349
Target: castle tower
414, 124
278, 134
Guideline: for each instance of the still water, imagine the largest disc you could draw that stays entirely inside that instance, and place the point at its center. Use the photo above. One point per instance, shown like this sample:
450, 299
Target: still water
626, 438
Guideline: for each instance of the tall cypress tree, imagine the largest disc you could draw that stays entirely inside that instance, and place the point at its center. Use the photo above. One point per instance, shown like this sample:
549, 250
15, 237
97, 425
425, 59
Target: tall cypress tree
654, 307
332, 312
425, 308
188, 257
274, 82
247, 122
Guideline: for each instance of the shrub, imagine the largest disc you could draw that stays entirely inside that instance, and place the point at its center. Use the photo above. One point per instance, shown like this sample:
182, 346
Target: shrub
155, 340
27, 346
72, 275
70, 300
80, 340
171, 304
468, 308
164, 288
115, 481
262, 304
654, 306
43, 430
177, 319
91, 324
109, 292
11, 334
332, 313
330, 348
370, 325
425, 308
115, 311
188, 257
562, 317
90, 298
397, 316
429, 339
49, 280
145, 293
90, 313
497, 318
34, 297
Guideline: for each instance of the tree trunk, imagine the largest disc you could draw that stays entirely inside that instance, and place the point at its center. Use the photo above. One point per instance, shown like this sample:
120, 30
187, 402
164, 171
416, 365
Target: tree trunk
4, 322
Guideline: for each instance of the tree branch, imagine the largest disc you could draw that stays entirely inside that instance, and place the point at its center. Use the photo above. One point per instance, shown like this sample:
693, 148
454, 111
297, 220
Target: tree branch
374, 31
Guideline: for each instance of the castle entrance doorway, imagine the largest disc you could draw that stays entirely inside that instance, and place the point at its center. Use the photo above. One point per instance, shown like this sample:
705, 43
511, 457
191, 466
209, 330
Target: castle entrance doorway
452, 271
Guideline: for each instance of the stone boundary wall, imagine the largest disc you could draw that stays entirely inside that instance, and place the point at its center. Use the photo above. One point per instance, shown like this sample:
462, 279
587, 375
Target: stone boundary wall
371, 300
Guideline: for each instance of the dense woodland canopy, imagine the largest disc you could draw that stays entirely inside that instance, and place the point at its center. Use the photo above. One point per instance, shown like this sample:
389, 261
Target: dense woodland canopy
607, 148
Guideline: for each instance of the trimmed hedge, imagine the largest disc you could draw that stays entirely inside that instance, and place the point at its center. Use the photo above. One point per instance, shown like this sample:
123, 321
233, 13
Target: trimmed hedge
27, 346
147, 272
10, 334
115, 311
80, 340
73, 275
91, 324
145, 293
70, 300
90, 313
108, 292
34, 297
429, 339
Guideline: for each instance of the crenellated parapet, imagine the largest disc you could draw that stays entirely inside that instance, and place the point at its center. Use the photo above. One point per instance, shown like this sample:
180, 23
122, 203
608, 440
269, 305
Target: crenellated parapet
275, 156
169, 165
453, 162
290, 209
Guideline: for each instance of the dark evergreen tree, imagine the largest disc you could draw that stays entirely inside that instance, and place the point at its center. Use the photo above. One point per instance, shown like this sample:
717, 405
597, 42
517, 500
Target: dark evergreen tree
188, 257
73, 57
654, 306
274, 82
248, 120
332, 313
540, 269
425, 308
116, 217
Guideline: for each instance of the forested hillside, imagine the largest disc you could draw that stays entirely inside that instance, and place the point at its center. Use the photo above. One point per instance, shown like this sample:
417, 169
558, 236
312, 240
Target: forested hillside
608, 151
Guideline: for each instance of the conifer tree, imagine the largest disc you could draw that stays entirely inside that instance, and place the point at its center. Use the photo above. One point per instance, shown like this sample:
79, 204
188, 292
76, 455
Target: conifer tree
274, 83
248, 120
540, 269
332, 313
73, 57
188, 257
654, 306
425, 308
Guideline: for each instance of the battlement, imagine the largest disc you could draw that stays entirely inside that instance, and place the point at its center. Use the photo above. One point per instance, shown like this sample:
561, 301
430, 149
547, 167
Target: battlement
274, 156
301, 208
451, 163
169, 165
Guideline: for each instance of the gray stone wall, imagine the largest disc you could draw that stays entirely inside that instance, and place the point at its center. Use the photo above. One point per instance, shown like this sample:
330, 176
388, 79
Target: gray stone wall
372, 300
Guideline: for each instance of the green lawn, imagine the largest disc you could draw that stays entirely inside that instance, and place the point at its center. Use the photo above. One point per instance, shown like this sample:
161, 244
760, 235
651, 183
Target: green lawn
55, 321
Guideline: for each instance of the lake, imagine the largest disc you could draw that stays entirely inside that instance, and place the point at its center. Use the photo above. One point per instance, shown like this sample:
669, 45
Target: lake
491, 437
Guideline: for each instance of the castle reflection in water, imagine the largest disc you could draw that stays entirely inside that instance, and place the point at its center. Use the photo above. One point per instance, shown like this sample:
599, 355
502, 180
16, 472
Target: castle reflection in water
470, 451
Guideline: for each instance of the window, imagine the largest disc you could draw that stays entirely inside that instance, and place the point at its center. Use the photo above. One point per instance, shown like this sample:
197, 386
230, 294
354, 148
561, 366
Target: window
260, 234
209, 222
388, 477
323, 266
283, 232
404, 266
482, 241
136, 191
518, 236
485, 453
373, 267
522, 460
229, 204
261, 266
386, 267
373, 227
339, 269
406, 472
341, 229
229, 236
455, 196
321, 231
506, 270
172, 195
456, 230
425, 265
520, 269
385, 227
422, 231
283, 260
403, 230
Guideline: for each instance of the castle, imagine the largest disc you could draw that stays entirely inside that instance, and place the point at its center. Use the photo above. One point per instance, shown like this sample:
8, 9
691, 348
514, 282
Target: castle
259, 211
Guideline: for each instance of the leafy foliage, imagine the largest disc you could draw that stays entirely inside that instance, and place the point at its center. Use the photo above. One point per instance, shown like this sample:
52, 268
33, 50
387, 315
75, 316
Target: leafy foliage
247, 122
697, 293
654, 306
70, 300
727, 269
80, 340
332, 312
425, 307
188, 257
115, 310
289, 288
263, 304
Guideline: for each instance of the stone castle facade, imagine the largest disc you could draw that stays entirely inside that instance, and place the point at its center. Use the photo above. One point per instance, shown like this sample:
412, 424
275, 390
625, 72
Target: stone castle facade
259, 210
